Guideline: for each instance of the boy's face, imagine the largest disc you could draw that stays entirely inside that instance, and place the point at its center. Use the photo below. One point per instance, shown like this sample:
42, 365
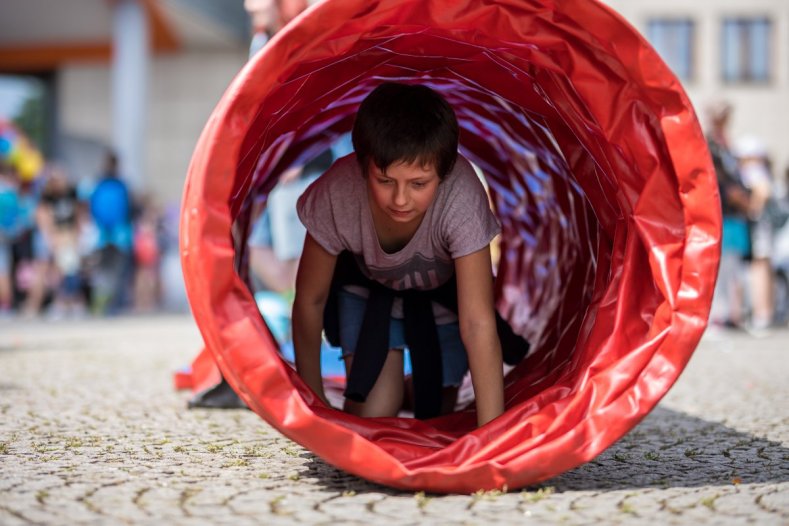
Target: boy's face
404, 192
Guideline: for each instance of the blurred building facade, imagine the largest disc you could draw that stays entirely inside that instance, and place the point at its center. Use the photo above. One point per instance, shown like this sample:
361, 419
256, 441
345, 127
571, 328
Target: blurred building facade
138, 76
735, 50
142, 76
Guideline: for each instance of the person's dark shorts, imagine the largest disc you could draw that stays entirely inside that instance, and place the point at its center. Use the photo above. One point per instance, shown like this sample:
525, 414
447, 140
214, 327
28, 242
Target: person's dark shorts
454, 360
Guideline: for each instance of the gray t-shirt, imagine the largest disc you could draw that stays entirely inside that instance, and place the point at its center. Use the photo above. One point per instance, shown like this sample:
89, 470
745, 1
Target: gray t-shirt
336, 212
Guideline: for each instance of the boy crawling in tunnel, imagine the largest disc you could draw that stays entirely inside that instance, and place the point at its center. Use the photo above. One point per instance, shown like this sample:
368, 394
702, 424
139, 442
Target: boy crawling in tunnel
397, 255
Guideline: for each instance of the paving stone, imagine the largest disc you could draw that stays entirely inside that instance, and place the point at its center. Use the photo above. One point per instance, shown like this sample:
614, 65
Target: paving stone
91, 432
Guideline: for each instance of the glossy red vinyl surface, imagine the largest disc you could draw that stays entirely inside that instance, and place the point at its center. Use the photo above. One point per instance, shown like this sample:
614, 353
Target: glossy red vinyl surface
600, 177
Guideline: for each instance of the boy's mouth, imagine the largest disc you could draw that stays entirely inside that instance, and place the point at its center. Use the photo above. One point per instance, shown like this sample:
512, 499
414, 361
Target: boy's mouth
399, 213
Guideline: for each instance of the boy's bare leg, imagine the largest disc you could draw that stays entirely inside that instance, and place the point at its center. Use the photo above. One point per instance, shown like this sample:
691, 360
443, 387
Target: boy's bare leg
386, 396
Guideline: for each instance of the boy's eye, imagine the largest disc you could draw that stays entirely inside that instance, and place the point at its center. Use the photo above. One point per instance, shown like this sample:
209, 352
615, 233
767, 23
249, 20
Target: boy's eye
419, 184
381, 180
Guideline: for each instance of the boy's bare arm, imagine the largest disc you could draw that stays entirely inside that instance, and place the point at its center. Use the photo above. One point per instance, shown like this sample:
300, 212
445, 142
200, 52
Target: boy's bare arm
477, 320
313, 281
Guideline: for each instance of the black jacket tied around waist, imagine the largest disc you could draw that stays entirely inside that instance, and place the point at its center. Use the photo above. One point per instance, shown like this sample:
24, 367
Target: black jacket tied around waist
421, 335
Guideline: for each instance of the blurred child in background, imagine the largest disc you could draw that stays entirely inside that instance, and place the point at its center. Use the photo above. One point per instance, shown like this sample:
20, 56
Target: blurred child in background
60, 225
9, 209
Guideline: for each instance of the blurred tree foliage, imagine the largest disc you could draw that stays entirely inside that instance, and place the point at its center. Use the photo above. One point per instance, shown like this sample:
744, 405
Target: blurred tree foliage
32, 119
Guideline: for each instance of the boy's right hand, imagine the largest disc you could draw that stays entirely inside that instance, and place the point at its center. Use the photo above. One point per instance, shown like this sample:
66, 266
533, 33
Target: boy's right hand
321, 395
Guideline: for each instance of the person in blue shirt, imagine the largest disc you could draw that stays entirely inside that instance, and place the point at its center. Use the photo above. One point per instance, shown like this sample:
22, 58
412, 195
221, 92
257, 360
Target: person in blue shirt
111, 211
9, 212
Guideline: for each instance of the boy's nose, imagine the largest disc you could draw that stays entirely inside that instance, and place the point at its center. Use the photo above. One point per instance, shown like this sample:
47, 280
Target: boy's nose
400, 197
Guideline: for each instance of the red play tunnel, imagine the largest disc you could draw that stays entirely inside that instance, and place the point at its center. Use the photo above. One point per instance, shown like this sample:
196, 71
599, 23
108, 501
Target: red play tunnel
599, 175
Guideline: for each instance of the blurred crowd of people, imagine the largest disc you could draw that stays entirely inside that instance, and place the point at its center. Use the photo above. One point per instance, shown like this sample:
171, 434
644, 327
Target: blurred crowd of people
70, 249
751, 292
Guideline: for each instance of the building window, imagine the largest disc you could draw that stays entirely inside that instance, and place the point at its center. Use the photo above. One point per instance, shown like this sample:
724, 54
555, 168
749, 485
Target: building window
673, 39
746, 49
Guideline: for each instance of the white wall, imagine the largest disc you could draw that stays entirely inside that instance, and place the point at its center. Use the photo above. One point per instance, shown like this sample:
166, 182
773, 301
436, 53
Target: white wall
183, 90
760, 110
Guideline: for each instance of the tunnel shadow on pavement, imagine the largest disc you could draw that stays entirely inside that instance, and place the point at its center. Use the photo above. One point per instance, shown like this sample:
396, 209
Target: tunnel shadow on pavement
669, 449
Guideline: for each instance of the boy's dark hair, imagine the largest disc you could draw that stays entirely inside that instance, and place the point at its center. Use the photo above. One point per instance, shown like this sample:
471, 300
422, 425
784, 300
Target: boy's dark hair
399, 122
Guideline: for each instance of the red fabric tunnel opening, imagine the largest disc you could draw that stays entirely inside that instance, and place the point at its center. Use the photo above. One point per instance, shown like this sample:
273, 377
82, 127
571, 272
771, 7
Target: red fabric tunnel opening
598, 174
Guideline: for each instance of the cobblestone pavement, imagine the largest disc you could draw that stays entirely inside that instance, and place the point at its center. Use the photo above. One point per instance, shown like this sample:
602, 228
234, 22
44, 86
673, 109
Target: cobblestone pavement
92, 432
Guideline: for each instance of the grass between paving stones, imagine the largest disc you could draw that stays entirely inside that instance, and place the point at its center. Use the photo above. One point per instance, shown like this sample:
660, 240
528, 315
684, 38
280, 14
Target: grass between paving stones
421, 499
73, 442
274, 505
621, 457
626, 507
236, 463
533, 497
41, 496
709, 502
